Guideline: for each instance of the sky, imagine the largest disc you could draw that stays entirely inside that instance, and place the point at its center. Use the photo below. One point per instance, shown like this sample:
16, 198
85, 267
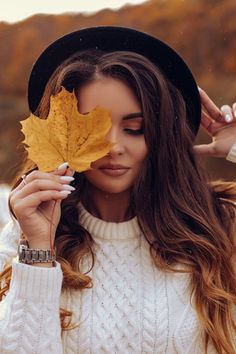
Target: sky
16, 10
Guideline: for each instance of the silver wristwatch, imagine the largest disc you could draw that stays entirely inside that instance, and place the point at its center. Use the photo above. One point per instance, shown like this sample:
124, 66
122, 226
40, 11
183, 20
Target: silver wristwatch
28, 255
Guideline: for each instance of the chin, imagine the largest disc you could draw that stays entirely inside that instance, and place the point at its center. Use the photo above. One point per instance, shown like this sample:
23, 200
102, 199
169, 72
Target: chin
108, 184
112, 189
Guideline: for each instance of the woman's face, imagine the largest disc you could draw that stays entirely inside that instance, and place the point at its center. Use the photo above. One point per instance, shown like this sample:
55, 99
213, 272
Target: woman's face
116, 172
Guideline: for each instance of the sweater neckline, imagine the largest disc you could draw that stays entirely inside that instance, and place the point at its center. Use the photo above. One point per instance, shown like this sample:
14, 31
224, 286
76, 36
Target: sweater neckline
99, 228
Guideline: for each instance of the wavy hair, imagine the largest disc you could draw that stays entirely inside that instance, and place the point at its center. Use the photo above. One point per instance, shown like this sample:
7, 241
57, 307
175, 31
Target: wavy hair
186, 219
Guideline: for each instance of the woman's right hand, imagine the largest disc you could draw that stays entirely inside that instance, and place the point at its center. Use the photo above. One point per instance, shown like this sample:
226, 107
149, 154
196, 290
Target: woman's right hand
219, 124
36, 204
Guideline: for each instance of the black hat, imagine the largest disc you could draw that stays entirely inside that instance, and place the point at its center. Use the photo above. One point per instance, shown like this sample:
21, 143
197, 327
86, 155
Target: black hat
109, 38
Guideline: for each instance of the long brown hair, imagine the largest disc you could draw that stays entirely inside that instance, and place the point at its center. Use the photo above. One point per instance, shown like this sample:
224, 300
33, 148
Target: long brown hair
185, 219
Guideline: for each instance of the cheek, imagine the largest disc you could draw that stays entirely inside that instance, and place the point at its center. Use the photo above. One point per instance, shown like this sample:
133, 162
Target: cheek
140, 152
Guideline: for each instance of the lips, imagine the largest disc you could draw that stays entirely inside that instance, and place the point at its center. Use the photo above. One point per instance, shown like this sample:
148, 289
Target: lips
112, 167
113, 170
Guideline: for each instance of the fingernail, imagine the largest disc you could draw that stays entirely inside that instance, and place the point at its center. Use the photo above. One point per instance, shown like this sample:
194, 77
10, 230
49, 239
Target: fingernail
62, 166
65, 192
68, 187
235, 114
228, 118
67, 178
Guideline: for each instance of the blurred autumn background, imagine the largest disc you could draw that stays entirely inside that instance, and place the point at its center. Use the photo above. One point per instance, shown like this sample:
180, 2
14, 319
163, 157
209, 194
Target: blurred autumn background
203, 32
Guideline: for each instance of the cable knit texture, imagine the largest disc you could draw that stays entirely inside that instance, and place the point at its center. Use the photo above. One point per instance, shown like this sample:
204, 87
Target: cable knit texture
132, 307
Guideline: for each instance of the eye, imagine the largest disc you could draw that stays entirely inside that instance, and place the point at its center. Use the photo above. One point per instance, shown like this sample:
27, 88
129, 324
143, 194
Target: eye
134, 131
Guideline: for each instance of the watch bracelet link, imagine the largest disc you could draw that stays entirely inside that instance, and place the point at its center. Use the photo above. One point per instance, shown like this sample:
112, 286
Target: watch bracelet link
29, 256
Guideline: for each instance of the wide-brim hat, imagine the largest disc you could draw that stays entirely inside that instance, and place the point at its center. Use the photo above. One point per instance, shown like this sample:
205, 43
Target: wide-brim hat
110, 38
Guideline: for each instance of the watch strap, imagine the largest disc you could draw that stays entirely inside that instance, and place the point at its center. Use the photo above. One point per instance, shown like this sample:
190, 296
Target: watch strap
29, 256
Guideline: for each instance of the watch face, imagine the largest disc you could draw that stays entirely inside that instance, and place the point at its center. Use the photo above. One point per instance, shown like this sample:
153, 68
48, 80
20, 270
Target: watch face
21, 251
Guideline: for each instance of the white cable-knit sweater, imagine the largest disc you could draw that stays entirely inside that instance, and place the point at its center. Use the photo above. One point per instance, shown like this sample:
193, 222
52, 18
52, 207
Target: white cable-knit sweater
132, 307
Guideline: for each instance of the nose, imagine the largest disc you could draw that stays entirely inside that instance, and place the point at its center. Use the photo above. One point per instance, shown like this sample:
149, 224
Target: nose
118, 147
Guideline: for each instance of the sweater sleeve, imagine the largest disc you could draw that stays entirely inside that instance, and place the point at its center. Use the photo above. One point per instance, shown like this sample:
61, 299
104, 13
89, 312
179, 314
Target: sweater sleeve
29, 314
9, 238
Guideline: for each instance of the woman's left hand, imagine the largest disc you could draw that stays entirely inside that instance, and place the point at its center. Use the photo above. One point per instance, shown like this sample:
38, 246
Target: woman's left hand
220, 125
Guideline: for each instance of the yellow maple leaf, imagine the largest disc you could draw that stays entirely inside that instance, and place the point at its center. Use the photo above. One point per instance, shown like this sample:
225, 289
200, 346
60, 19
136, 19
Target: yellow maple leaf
66, 135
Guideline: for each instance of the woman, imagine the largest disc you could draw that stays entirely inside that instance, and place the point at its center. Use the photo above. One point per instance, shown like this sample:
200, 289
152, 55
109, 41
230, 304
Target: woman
145, 243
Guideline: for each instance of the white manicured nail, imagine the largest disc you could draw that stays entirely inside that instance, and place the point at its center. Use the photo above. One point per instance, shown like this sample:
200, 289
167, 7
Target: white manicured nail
66, 178
63, 166
68, 187
228, 118
235, 114
65, 192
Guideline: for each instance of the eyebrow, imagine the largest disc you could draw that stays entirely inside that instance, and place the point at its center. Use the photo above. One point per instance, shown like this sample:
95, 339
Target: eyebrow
133, 116
128, 116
